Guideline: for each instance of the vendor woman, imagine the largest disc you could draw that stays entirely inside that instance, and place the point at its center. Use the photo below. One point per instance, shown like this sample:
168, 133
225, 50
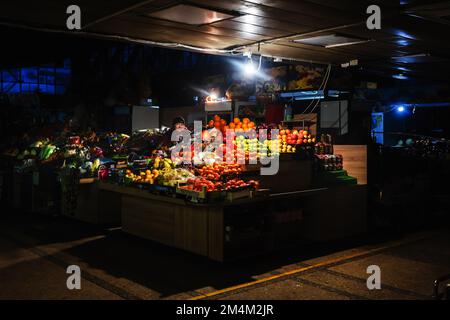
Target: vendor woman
178, 123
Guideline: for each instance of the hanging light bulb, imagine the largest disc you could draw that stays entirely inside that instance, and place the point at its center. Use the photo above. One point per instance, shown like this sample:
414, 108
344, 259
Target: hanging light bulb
249, 68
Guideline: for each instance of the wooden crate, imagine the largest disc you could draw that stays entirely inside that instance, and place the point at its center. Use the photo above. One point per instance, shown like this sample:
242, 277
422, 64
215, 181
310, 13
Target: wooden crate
355, 160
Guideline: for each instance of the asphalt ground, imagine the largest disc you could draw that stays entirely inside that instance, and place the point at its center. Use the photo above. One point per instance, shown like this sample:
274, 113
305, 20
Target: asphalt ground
35, 252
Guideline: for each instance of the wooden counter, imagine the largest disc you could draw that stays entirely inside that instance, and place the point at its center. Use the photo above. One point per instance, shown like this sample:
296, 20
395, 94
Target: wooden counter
93, 204
229, 230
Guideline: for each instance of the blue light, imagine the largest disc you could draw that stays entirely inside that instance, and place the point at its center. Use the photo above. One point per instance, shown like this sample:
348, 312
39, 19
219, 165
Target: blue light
400, 108
403, 43
400, 77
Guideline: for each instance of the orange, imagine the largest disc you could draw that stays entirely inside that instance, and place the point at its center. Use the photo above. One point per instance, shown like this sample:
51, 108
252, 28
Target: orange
232, 125
236, 120
211, 123
205, 135
251, 125
223, 122
216, 118
246, 120
217, 124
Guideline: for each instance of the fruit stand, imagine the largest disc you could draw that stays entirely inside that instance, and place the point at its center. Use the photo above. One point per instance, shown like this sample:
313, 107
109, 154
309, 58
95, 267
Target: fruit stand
229, 211
218, 207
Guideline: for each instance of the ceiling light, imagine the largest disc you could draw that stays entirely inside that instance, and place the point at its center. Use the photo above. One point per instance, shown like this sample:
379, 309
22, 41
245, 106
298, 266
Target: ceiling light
249, 68
402, 43
331, 40
188, 14
403, 69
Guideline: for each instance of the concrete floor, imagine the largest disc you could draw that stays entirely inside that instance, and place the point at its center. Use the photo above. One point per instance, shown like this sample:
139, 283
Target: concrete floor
35, 252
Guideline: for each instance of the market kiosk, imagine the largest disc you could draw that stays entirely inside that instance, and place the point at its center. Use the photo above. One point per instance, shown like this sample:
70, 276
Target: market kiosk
222, 212
304, 202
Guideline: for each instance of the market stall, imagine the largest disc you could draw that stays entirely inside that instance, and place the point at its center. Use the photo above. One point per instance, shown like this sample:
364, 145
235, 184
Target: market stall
216, 206
226, 211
